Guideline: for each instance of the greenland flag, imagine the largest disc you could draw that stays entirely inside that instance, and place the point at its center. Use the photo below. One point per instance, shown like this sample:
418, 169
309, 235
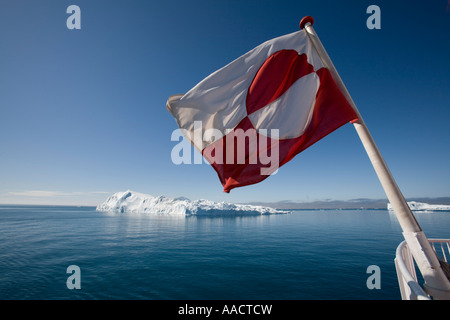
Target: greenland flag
255, 114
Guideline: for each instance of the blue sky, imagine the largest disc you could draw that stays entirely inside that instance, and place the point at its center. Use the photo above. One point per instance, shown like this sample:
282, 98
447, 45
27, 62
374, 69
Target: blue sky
82, 112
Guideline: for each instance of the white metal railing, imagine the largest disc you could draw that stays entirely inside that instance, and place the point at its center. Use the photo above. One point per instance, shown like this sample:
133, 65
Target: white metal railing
443, 248
406, 270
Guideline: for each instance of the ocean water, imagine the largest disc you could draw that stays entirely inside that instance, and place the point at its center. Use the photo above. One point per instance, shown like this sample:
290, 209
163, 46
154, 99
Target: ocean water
309, 254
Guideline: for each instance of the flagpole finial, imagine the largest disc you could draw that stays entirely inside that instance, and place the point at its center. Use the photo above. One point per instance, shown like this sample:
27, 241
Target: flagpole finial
305, 20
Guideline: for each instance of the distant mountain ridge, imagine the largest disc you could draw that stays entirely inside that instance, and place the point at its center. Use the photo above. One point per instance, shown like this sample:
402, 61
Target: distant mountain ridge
361, 203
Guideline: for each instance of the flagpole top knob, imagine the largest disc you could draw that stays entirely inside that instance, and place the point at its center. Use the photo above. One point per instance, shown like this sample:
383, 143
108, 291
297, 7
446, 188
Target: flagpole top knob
305, 20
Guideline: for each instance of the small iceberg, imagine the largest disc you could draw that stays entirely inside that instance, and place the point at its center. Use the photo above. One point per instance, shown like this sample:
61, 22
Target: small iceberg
130, 202
423, 207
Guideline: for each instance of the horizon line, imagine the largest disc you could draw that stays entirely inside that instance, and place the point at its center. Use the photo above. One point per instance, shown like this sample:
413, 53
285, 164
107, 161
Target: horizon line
357, 203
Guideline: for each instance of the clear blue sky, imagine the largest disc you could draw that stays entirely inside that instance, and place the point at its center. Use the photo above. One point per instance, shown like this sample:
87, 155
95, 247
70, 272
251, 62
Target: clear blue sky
82, 112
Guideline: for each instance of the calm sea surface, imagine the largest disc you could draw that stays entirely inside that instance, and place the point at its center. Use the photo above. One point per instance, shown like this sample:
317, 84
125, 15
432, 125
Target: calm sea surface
304, 255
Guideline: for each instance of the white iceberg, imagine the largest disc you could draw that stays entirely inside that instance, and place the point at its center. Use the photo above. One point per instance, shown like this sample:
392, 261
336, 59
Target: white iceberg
138, 203
423, 207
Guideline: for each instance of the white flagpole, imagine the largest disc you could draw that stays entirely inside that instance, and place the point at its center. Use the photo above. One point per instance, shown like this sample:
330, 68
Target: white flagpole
436, 283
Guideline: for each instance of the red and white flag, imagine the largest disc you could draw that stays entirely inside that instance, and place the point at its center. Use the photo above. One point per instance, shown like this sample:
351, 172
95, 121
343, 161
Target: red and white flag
255, 114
